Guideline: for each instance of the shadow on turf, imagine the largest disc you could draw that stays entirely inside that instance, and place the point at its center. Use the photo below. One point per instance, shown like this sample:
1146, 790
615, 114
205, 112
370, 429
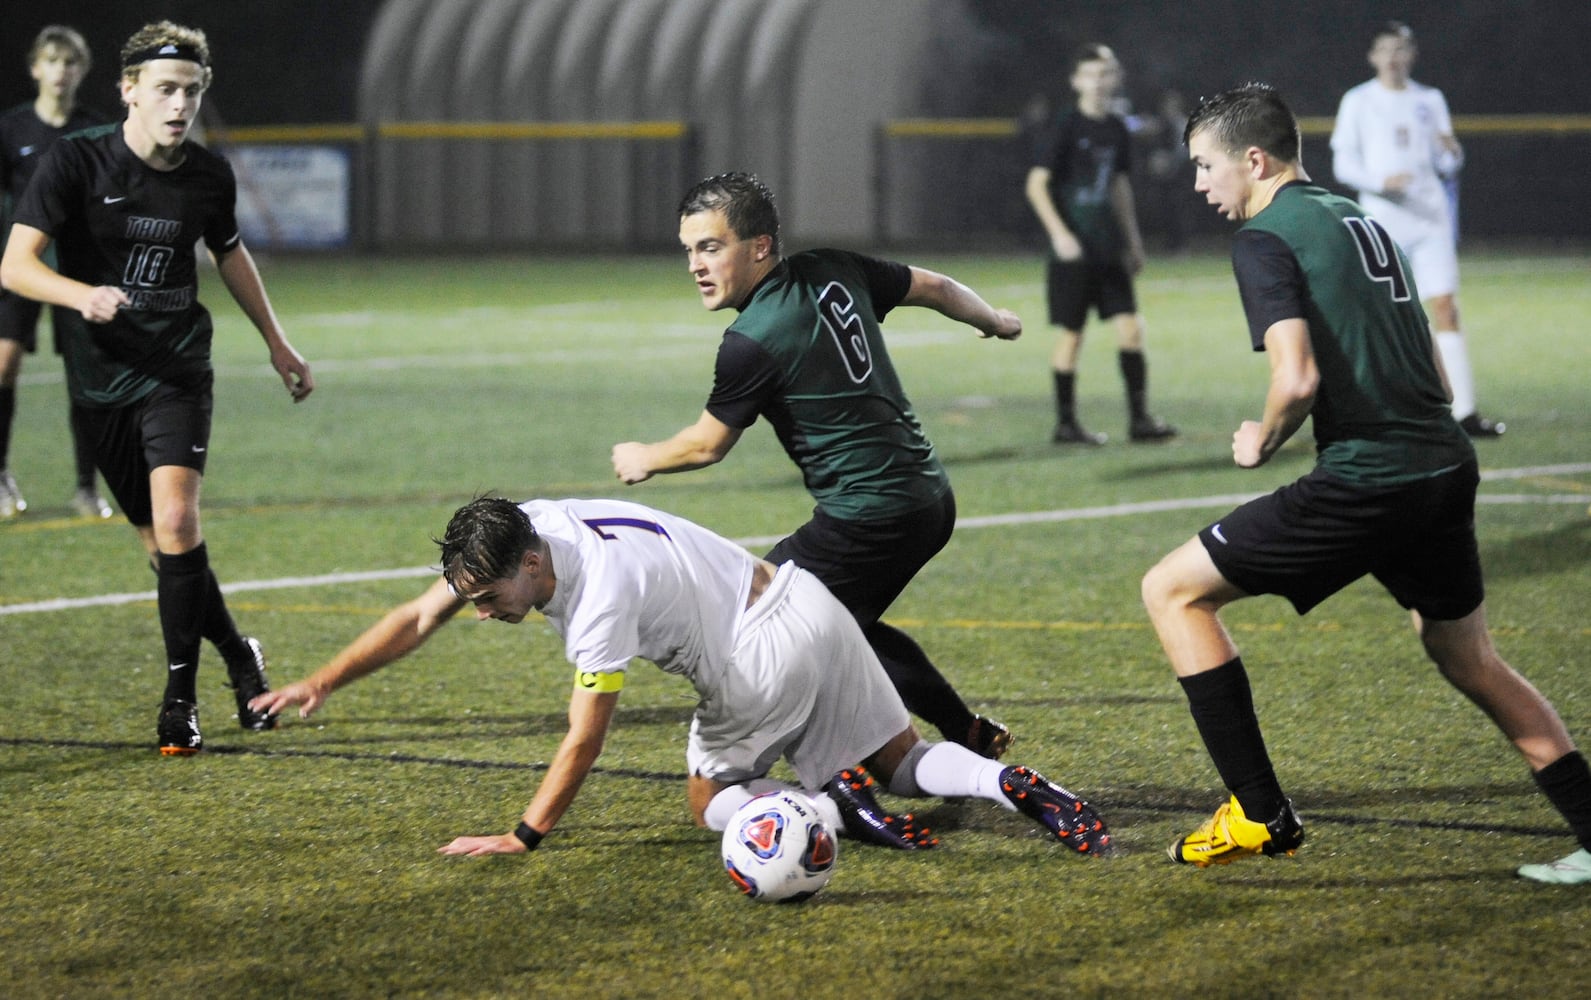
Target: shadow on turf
1199, 462
1361, 808
1561, 549
1145, 805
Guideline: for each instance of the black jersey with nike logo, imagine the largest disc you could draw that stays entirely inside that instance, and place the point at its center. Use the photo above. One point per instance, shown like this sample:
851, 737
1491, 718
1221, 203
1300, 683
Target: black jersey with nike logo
114, 220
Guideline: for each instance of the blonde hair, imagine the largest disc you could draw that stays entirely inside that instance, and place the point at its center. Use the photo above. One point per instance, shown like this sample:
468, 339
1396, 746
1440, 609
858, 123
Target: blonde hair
146, 41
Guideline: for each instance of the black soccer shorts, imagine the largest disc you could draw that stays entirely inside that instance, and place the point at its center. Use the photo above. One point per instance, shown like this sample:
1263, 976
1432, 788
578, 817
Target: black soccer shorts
1313, 537
866, 564
1075, 285
170, 426
19, 320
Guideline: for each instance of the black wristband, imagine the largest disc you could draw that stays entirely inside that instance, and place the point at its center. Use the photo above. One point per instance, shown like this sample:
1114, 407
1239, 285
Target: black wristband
528, 835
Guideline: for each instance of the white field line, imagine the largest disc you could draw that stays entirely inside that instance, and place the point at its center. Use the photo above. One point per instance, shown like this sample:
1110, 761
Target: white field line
762, 541
701, 343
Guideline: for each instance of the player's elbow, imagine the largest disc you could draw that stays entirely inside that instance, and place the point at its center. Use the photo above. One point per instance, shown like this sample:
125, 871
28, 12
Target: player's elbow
707, 442
583, 748
715, 451
695, 454
1037, 184
1299, 386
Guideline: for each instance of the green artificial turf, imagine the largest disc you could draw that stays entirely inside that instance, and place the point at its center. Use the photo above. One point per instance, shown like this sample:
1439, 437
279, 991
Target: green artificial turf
302, 862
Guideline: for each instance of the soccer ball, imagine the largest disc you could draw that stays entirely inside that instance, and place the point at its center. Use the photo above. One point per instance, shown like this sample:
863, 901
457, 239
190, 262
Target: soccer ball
777, 848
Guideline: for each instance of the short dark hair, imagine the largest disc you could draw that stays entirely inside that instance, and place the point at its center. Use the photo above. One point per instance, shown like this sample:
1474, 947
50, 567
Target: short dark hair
746, 202
1091, 52
1251, 115
485, 541
1393, 29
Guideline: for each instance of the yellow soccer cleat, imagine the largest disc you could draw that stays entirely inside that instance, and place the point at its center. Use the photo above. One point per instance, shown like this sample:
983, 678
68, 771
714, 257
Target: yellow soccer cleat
1229, 835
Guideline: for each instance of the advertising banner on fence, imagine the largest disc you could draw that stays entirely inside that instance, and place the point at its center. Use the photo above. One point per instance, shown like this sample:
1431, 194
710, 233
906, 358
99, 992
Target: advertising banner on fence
292, 197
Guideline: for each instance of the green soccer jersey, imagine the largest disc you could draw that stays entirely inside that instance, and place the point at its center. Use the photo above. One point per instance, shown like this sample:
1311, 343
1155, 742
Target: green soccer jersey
116, 221
1380, 415
807, 354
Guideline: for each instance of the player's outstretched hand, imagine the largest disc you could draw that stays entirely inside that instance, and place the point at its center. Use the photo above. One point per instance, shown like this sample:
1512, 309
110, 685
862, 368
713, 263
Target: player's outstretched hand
474, 847
306, 696
1008, 326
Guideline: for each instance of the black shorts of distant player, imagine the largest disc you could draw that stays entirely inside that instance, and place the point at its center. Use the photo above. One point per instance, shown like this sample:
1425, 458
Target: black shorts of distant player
1075, 285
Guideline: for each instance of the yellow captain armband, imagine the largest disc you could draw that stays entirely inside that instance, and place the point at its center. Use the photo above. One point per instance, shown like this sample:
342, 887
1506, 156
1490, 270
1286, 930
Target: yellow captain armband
605, 683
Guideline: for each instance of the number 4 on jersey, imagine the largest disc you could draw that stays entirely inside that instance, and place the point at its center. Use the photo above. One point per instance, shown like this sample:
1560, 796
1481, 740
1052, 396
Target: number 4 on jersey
1380, 255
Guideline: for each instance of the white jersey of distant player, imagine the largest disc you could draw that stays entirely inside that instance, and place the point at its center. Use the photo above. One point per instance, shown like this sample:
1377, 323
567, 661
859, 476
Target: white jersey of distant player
637, 582
1382, 132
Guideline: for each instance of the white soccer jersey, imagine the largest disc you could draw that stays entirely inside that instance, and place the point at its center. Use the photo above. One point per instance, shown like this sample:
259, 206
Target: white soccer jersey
637, 582
1381, 132
791, 677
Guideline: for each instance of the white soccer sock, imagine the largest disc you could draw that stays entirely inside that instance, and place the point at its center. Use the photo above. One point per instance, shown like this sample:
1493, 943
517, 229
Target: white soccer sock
950, 770
727, 801
1455, 358
724, 805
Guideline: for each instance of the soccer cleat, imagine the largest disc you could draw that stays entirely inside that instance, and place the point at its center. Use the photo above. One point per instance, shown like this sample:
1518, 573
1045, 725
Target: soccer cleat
1073, 433
1229, 835
1147, 428
866, 820
89, 504
1572, 870
247, 681
988, 738
1477, 426
1072, 821
11, 502
178, 728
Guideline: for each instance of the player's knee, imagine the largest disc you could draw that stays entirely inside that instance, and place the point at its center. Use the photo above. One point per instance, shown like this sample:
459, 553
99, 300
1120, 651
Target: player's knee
1158, 587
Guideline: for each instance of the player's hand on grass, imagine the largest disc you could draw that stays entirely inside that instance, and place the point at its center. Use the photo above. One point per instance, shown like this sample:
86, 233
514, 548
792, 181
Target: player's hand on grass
308, 697
474, 847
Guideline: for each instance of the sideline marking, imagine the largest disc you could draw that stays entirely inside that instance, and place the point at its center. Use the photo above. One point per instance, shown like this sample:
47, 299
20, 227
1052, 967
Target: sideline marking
759, 541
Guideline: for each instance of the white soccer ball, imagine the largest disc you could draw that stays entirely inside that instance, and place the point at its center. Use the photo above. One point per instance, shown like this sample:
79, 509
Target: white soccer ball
777, 848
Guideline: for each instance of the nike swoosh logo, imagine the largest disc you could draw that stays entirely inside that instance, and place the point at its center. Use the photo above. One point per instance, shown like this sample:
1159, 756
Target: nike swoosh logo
111, 201
1216, 531
179, 666
200, 451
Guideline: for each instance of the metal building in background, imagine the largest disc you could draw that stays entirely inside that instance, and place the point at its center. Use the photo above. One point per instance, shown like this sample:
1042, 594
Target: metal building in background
512, 123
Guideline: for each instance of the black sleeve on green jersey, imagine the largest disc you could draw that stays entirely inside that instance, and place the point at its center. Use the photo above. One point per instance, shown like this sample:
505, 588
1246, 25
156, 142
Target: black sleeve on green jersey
1269, 281
745, 378
888, 282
